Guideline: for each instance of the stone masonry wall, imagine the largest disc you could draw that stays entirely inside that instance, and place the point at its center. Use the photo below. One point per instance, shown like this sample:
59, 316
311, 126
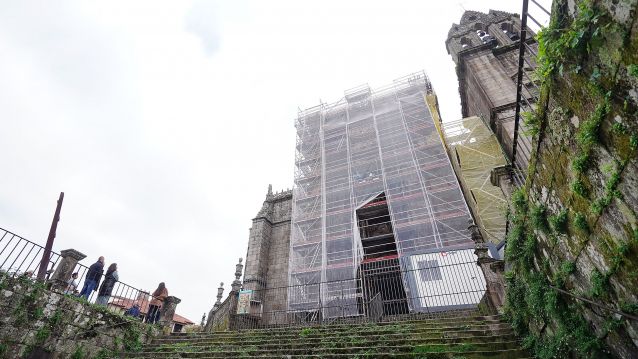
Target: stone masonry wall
38, 323
575, 225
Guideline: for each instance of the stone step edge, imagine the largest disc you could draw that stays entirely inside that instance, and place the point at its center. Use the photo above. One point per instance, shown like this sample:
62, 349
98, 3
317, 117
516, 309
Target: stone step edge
420, 354
493, 318
515, 343
446, 341
312, 339
296, 332
348, 327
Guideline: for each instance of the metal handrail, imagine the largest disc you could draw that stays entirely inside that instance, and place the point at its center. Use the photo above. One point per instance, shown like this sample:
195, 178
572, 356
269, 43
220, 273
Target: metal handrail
627, 315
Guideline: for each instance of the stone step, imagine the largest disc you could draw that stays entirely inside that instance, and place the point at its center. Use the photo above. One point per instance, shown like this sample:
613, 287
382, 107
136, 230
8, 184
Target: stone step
464, 335
509, 342
362, 352
469, 335
437, 321
331, 348
318, 331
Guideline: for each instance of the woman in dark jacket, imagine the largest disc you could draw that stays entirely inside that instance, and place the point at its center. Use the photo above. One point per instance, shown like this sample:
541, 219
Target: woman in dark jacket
110, 278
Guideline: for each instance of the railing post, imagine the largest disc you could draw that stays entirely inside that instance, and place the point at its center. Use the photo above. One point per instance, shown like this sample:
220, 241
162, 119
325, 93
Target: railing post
46, 256
492, 269
235, 287
70, 258
168, 311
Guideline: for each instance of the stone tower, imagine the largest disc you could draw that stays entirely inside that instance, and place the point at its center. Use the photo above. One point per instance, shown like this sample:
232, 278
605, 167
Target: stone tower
485, 49
268, 249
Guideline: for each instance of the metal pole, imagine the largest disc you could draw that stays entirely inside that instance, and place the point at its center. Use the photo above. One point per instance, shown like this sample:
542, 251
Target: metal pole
519, 82
44, 263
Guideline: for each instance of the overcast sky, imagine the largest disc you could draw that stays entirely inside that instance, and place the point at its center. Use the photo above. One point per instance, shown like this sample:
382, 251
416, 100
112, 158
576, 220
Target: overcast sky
164, 121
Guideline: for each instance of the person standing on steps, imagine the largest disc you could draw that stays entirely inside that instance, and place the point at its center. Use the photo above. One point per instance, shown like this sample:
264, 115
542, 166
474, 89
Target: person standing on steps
110, 278
93, 277
156, 303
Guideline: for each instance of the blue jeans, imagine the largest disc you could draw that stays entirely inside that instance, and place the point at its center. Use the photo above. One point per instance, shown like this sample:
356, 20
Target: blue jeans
89, 286
153, 314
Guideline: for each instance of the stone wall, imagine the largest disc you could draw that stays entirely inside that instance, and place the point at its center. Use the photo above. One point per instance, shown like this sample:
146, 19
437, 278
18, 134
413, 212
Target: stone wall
38, 323
487, 72
575, 226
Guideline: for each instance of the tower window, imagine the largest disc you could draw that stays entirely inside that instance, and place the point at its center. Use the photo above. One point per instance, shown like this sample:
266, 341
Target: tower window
508, 29
465, 42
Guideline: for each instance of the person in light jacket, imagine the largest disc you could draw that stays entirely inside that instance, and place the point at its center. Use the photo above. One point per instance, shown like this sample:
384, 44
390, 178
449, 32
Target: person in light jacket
110, 278
156, 303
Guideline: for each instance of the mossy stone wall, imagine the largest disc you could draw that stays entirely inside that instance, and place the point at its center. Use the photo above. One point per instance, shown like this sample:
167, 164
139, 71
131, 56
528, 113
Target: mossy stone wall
36, 322
575, 223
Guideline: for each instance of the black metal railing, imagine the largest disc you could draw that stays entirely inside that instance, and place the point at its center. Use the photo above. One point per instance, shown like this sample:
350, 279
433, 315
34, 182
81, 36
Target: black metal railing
527, 86
598, 306
438, 284
20, 257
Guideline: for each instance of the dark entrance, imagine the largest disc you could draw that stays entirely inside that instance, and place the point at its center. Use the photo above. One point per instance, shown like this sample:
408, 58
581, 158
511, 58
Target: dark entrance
380, 272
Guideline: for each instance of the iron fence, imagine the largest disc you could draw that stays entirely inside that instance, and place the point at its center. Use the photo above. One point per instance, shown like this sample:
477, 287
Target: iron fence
21, 258
527, 86
389, 288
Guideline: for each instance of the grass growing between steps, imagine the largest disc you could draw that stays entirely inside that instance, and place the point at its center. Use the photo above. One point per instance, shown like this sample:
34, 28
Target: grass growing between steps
434, 349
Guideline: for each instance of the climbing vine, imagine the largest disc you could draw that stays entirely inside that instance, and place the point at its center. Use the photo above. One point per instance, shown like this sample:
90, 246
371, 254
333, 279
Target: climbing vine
552, 323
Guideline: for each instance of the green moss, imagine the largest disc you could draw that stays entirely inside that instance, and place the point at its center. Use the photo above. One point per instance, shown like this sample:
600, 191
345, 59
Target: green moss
132, 339
589, 131
599, 284
42, 335
632, 70
78, 353
580, 222
579, 188
519, 199
631, 308
307, 332
559, 221
581, 162
538, 216
619, 128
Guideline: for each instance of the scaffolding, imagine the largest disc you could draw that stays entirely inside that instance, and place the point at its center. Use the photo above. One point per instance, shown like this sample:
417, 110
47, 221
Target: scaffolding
475, 152
371, 143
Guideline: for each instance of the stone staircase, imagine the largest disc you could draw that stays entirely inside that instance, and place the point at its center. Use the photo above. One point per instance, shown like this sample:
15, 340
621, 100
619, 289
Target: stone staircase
471, 336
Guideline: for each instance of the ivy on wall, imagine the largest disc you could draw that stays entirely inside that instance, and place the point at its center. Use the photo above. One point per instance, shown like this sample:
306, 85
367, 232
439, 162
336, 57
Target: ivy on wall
575, 81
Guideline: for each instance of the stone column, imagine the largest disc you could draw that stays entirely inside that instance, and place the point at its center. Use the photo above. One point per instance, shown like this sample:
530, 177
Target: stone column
218, 303
168, 311
493, 272
492, 269
220, 294
235, 287
63, 272
502, 177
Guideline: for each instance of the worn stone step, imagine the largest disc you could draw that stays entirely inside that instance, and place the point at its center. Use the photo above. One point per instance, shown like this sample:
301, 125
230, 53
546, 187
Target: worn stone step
438, 321
467, 336
357, 348
364, 353
412, 337
499, 330
497, 343
318, 331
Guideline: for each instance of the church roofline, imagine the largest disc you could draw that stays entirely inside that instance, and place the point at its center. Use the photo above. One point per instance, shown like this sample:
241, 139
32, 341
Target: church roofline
471, 16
